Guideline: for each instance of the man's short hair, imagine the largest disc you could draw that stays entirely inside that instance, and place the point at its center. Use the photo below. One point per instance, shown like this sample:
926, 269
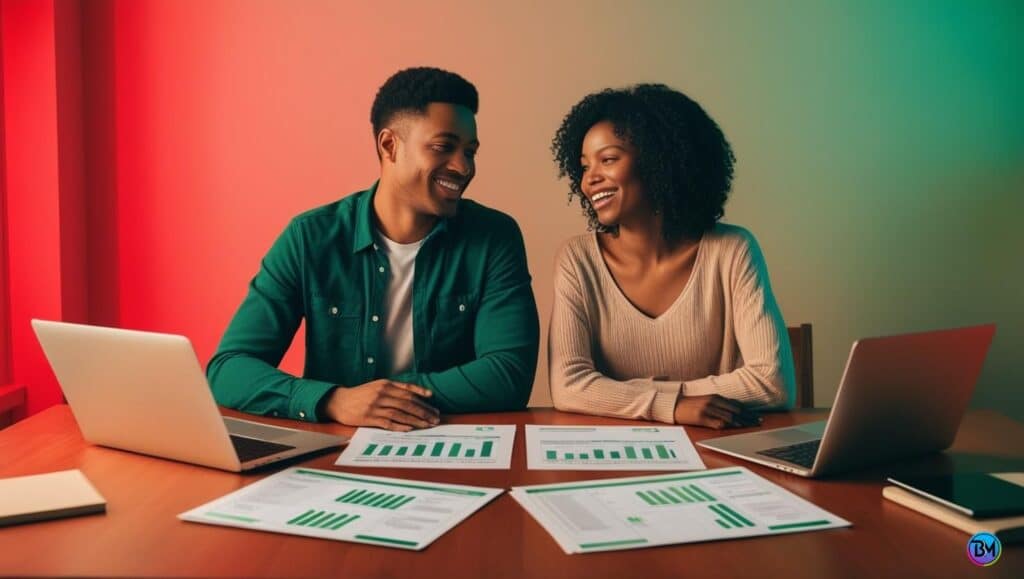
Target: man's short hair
412, 89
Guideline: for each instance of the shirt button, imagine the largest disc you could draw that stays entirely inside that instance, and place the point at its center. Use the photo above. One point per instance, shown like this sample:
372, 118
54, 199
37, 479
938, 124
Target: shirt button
369, 360
375, 318
334, 310
302, 414
381, 269
375, 246
274, 413
462, 307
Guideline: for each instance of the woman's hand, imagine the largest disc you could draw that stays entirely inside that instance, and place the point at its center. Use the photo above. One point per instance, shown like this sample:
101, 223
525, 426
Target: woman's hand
714, 411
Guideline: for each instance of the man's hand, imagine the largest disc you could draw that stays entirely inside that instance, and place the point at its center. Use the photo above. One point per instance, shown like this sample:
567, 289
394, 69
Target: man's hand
713, 411
384, 404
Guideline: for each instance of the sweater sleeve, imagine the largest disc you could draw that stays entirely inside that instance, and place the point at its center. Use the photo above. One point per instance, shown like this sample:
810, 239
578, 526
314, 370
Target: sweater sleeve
766, 377
576, 385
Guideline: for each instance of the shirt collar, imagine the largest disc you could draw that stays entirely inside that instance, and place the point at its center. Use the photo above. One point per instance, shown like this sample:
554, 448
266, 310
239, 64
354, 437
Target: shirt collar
364, 227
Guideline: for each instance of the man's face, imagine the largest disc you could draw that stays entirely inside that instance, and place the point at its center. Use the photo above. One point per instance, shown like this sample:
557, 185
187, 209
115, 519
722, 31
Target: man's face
434, 158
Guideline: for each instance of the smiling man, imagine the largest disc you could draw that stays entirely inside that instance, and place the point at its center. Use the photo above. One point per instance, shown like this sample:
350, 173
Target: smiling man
416, 300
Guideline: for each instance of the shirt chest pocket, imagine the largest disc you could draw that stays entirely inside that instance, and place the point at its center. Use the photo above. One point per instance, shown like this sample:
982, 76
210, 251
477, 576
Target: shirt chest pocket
454, 323
334, 324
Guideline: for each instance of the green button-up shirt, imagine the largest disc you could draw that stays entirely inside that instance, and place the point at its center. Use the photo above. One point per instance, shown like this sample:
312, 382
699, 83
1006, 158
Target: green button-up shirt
475, 327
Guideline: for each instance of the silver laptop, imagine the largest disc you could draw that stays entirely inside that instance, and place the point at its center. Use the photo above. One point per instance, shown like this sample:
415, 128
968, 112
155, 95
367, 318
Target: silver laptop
147, 393
899, 396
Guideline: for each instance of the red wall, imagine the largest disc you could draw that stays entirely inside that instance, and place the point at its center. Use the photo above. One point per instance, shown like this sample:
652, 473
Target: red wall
154, 149
44, 249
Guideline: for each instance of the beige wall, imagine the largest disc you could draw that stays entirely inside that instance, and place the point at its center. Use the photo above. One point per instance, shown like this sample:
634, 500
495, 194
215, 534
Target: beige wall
880, 144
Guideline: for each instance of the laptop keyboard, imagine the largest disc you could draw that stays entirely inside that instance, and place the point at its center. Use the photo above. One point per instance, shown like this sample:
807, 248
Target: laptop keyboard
251, 448
802, 453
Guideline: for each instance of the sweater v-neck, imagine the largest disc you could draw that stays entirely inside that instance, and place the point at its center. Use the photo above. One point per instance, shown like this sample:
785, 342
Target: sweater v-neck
631, 307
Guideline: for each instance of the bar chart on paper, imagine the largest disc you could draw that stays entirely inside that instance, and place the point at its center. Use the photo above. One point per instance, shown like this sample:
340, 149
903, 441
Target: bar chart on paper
390, 512
610, 448
665, 509
450, 446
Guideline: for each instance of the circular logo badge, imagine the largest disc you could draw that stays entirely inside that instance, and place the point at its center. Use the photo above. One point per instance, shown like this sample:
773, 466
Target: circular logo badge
984, 549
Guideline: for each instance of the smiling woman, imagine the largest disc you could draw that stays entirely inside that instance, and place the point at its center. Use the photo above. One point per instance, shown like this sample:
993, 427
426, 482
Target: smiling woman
663, 313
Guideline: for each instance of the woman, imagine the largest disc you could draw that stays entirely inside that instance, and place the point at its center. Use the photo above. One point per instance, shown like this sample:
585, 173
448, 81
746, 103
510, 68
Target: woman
662, 313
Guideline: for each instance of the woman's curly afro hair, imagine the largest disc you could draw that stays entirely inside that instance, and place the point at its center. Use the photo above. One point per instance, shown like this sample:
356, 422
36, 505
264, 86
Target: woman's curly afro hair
682, 158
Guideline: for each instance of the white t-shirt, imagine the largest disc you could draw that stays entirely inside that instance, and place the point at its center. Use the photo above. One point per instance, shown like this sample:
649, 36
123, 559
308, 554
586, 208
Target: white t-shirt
398, 340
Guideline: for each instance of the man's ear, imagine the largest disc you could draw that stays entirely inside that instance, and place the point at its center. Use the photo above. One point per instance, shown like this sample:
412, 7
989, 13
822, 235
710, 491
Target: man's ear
387, 145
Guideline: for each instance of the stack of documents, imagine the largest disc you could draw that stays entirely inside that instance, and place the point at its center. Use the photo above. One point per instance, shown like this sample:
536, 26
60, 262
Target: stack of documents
610, 448
452, 446
627, 513
345, 507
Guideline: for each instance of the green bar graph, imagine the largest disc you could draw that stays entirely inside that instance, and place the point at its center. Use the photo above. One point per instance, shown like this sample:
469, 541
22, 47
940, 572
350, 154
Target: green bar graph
438, 447
454, 450
722, 523
367, 498
322, 515
470, 452
301, 517
403, 502
646, 499
631, 452
330, 521
671, 497
730, 516
418, 451
402, 450
341, 523
697, 497
379, 502
485, 450
370, 499
369, 449
322, 520
688, 494
390, 503
701, 492
386, 450
735, 515
680, 494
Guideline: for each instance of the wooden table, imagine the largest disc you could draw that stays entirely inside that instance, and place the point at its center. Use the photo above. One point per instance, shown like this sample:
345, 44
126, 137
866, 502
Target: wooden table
141, 536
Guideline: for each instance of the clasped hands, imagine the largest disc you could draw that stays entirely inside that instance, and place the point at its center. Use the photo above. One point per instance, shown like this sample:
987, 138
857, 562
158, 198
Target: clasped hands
402, 407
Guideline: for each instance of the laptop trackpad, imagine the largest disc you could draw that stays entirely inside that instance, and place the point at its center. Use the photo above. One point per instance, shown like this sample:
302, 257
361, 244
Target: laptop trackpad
788, 436
254, 430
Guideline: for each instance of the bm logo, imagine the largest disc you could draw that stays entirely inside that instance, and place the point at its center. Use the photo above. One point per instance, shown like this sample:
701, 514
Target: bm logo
984, 549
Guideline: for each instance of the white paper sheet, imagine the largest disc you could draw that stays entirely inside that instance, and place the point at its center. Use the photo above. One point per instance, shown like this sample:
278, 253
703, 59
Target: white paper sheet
636, 512
610, 448
340, 506
453, 446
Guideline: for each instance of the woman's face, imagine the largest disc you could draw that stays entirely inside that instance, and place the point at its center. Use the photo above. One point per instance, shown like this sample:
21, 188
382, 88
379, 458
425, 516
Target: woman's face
610, 181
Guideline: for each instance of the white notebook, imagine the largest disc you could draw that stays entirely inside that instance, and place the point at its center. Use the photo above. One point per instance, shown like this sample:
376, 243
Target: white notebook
67, 493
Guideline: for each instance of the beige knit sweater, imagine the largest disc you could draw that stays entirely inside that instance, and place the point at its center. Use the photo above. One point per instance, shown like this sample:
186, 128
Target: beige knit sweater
723, 335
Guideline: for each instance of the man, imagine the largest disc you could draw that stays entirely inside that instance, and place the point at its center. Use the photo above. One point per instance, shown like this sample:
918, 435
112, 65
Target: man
416, 301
